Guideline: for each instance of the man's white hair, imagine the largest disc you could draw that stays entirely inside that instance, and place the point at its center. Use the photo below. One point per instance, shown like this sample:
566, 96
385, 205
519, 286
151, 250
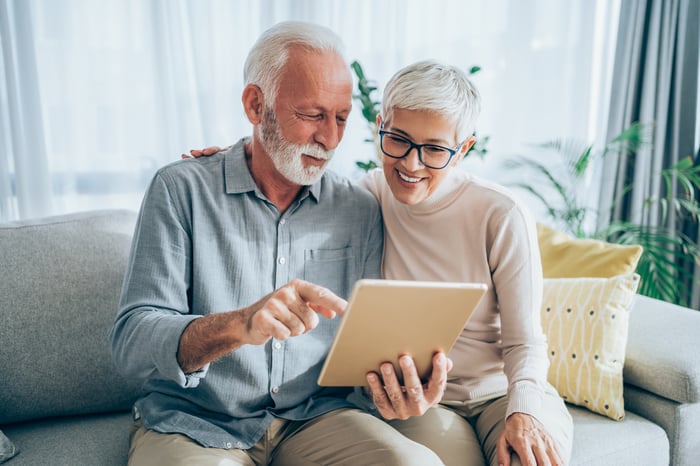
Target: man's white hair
269, 54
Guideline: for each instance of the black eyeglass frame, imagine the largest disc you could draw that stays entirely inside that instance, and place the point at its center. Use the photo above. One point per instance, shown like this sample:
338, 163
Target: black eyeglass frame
418, 147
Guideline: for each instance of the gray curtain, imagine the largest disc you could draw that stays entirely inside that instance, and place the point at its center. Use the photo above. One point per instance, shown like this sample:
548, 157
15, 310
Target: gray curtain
655, 81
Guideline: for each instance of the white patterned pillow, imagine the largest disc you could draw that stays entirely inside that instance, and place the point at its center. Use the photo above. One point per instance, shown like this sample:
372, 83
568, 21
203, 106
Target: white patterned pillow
586, 323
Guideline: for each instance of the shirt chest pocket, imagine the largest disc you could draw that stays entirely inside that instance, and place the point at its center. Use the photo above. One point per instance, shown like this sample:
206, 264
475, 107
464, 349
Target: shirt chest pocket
332, 268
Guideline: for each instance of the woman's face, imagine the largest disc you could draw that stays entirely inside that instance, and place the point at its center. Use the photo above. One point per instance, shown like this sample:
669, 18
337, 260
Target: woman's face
410, 181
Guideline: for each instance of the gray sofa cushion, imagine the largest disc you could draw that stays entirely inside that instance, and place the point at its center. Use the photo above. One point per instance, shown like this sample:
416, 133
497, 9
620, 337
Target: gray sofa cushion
59, 290
660, 358
634, 441
100, 440
7, 448
681, 421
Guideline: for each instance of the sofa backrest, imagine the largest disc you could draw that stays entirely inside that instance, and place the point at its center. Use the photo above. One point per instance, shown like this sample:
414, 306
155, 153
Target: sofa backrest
60, 281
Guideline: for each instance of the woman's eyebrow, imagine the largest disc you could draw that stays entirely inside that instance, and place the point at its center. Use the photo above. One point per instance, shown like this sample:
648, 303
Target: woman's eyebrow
436, 141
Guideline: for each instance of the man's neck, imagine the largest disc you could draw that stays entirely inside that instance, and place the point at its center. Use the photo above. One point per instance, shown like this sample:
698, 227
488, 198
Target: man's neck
277, 189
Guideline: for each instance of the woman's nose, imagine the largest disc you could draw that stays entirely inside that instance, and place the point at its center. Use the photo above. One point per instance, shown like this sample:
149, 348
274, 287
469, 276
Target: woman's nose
412, 160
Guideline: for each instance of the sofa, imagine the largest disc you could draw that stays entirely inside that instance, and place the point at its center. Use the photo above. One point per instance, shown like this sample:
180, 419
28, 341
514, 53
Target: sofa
63, 403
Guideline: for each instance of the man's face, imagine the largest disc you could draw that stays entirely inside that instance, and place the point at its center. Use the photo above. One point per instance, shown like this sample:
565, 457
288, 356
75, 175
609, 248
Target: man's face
287, 156
307, 121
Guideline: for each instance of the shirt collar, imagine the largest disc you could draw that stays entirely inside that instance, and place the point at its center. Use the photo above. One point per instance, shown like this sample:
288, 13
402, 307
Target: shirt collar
239, 180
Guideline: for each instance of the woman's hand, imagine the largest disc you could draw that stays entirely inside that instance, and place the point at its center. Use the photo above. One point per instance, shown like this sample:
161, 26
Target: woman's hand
395, 401
525, 435
207, 151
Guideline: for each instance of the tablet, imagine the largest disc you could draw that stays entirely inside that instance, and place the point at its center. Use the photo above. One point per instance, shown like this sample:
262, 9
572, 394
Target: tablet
386, 319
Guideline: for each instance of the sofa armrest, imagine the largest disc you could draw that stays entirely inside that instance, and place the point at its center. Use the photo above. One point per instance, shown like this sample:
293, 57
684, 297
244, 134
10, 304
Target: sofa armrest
662, 355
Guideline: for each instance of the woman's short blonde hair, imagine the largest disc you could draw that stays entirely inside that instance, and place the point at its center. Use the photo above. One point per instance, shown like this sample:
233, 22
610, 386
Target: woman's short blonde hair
435, 87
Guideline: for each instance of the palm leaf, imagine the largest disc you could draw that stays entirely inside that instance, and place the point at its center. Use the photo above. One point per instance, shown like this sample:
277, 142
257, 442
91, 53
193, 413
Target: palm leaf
631, 139
575, 154
541, 170
668, 255
581, 165
662, 264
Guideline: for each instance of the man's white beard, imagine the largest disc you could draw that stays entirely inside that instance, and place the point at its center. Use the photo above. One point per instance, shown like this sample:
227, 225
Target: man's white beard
287, 156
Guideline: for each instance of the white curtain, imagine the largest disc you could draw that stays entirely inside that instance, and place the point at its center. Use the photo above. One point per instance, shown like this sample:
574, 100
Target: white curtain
96, 95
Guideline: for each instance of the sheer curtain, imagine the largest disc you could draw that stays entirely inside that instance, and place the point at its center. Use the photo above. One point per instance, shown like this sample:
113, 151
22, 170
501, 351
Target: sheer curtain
95, 96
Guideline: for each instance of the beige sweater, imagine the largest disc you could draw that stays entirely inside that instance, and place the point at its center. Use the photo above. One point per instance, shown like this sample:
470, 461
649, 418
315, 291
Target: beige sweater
471, 230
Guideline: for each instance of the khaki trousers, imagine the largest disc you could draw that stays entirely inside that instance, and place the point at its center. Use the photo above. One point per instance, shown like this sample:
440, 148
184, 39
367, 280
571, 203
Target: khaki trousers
465, 434
348, 437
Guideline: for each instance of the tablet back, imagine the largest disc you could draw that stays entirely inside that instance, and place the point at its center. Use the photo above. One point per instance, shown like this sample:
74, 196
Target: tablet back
386, 319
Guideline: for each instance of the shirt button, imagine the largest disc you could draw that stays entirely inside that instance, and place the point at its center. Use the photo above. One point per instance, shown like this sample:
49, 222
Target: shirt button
283, 221
228, 444
278, 345
239, 444
275, 389
281, 260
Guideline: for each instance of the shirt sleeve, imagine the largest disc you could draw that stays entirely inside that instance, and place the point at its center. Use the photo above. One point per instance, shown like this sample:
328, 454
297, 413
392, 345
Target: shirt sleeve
517, 278
359, 398
154, 308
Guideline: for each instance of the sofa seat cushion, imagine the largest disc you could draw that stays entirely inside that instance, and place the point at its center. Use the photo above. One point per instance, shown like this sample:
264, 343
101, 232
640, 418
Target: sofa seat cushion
600, 441
7, 448
72, 441
660, 351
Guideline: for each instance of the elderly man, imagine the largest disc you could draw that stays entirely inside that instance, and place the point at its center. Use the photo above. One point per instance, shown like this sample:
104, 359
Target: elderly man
237, 270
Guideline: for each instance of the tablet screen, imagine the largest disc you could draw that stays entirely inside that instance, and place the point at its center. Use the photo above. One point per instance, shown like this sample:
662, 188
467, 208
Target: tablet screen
386, 319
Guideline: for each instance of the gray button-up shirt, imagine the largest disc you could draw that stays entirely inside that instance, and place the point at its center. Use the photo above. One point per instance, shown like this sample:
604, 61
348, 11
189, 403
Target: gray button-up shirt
207, 240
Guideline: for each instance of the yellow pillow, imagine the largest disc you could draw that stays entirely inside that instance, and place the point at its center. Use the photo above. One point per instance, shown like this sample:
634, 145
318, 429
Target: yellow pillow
564, 256
586, 322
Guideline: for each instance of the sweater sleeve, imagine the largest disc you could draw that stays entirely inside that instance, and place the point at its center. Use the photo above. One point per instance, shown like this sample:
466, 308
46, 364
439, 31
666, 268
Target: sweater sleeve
517, 278
371, 181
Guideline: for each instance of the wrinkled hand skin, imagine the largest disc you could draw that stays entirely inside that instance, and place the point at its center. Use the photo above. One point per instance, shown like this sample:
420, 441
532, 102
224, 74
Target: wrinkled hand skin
289, 311
207, 151
394, 401
526, 436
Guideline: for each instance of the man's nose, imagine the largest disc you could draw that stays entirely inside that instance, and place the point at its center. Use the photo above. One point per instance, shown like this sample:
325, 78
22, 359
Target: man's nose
328, 134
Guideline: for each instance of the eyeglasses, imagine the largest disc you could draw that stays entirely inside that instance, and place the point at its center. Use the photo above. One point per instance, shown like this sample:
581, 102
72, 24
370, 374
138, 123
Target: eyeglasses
431, 155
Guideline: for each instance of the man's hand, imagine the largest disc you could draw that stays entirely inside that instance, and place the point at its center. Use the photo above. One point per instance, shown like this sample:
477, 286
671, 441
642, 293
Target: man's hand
414, 398
290, 311
526, 436
207, 151
286, 312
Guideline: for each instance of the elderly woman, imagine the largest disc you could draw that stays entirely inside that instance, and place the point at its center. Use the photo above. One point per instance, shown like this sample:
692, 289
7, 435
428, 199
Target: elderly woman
488, 401
443, 224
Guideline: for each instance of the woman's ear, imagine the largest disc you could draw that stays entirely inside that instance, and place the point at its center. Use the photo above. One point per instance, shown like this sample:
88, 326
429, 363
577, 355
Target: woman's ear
462, 151
379, 120
253, 103
466, 145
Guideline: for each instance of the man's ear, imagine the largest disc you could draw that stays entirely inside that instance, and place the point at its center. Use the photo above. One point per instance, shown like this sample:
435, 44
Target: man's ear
253, 103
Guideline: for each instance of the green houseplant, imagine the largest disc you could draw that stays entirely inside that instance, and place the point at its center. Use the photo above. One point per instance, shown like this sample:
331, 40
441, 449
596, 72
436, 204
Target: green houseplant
370, 104
669, 255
